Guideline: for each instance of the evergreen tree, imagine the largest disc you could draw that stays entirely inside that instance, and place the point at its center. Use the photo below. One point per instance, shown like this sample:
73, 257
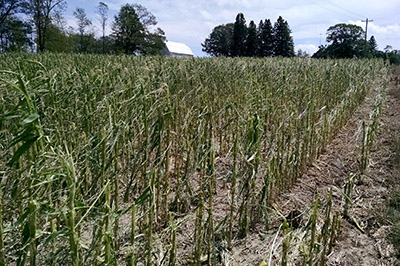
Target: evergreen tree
259, 34
373, 45
283, 42
251, 40
239, 36
265, 39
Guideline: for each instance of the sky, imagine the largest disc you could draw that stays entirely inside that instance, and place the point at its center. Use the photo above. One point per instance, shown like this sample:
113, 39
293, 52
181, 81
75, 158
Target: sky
191, 22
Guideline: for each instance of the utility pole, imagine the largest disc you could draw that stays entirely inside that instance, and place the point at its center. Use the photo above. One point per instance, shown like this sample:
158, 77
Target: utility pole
366, 26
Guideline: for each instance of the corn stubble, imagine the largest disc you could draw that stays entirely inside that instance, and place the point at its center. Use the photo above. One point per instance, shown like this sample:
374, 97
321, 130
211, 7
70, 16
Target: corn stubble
105, 159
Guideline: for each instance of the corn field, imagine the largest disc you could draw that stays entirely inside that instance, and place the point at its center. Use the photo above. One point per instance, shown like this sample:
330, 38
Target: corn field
118, 160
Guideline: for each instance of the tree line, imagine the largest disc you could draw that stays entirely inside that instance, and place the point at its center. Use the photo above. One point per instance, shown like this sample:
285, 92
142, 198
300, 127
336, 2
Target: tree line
262, 40
350, 41
39, 25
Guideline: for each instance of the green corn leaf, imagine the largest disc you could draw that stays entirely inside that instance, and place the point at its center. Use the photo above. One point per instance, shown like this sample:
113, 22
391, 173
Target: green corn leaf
31, 118
143, 197
21, 150
54, 235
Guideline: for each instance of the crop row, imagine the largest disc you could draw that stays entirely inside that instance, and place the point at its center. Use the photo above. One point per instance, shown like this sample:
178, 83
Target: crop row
107, 158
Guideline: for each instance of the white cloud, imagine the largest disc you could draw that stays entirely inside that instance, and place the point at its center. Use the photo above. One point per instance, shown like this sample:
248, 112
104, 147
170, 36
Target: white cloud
309, 48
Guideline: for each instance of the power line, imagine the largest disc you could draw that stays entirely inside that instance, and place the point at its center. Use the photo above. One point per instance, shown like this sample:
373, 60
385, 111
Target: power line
334, 11
349, 11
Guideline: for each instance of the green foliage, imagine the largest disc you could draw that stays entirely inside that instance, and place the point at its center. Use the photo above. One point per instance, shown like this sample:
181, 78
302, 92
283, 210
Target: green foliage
14, 35
393, 57
251, 40
58, 41
265, 38
373, 45
41, 12
83, 22
346, 41
239, 40
10, 8
219, 43
128, 31
283, 42
102, 10
239, 36
132, 35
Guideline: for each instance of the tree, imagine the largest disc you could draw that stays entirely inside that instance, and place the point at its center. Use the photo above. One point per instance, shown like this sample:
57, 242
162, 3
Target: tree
265, 39
145, 16
82, 22
283, 42
154, 42
345, 41
133, 36
301, 53
14, 35
9, 8
373, 45
102, 10
128, 31
219, 42
251, 40
42, 12
57, 40
239, 36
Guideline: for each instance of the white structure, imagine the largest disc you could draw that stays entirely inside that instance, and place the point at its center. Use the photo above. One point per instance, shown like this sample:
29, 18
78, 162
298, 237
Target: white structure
177, 49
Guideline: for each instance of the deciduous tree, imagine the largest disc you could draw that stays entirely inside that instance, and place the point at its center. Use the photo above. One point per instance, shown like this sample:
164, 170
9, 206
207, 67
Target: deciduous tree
131, 31
14, 35
83, 22
41, 12
345, 41
219, 42
102, 11
9, 8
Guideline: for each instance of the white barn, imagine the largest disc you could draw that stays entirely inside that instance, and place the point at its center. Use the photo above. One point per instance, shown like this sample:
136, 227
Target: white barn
177, 49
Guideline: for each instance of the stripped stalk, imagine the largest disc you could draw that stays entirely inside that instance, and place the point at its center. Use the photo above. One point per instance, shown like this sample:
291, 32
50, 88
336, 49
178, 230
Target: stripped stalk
233, 190
132, 259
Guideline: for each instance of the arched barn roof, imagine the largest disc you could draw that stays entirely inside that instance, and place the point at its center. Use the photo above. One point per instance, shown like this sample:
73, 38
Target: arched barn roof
176, 48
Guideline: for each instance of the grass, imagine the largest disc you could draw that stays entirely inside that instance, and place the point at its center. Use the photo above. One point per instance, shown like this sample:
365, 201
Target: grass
88, 140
